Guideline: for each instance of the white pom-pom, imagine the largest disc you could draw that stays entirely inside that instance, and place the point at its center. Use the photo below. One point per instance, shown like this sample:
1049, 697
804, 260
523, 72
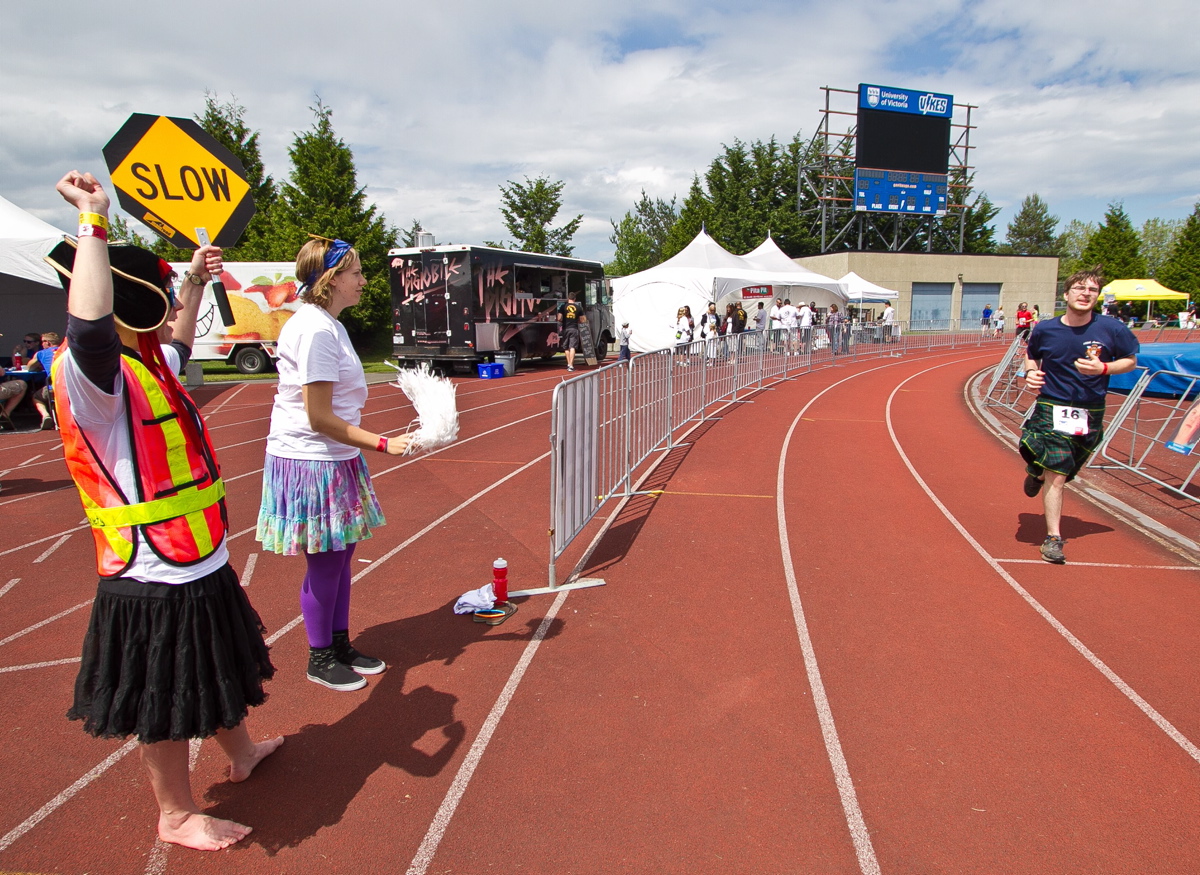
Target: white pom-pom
433, 399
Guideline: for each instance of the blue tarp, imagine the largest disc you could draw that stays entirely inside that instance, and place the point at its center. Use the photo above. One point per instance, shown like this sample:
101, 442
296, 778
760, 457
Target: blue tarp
1183, 357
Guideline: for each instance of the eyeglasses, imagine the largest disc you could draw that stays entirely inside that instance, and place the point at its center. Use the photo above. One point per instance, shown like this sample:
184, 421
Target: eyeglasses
1086, 290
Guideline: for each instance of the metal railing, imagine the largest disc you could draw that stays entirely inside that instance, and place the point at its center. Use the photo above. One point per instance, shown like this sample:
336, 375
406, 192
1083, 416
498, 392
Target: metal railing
608, 422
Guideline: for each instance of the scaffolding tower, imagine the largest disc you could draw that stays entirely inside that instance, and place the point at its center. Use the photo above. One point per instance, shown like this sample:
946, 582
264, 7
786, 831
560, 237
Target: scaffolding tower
829, 180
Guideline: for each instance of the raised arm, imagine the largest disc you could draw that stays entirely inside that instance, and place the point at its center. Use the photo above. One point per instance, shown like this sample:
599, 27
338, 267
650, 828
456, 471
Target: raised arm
206, 263
91, 294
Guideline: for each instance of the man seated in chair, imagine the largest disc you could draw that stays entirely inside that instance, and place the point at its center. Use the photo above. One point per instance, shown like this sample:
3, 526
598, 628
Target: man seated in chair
43, 398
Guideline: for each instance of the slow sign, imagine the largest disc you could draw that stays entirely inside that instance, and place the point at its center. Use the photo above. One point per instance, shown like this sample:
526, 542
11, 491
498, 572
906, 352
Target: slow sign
174, 177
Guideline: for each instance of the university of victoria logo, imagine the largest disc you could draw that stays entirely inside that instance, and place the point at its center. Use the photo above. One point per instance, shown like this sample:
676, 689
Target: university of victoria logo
872, 96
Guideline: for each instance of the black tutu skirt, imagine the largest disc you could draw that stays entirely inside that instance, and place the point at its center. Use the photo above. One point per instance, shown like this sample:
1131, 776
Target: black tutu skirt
168, 662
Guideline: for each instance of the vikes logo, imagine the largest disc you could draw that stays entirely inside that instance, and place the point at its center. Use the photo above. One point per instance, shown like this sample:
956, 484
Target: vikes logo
929, 103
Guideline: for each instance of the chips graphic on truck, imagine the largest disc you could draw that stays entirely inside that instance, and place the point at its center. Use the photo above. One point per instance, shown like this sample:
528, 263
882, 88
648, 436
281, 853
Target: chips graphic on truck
459, 305
262, 296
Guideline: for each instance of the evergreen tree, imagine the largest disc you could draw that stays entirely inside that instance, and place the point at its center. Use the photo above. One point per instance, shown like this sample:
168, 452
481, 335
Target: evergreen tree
693, 216
1157, 239
1071, 244
1115, 245
529, 209
120, 230
979, 230
1031, 231
1181, 270
634, 249
323, 197
408, 237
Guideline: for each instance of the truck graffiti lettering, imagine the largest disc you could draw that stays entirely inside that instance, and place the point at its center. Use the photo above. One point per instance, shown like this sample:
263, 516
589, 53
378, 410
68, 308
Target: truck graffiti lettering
414, 279
497, 298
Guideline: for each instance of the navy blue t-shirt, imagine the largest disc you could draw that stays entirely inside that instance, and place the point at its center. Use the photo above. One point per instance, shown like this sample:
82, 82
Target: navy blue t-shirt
1057, 346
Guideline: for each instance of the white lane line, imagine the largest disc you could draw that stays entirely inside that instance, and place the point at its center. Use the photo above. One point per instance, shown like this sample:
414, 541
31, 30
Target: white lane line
57, 802
32, 665
29, 544
458, 787
50, 550
1104, 565
42, 623
4, 589
868, 864
248, 573
1145, 707
226, 400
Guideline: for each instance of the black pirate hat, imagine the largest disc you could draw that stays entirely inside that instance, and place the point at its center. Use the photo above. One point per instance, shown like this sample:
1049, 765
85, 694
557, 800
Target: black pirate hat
141, 282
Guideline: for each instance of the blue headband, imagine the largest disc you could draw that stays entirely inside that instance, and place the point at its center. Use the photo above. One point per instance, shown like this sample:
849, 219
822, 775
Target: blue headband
337, 251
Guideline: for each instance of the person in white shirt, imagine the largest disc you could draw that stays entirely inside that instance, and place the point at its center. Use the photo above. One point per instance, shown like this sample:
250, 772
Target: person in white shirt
807, 312
889, 324
789, 319
317, 497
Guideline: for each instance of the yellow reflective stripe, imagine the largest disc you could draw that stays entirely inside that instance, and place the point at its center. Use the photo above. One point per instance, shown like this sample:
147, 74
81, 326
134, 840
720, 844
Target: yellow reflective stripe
160, 510
174, 439
199, 528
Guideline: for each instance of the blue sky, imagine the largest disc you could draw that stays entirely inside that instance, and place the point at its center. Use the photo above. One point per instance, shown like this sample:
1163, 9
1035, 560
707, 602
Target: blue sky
442, 103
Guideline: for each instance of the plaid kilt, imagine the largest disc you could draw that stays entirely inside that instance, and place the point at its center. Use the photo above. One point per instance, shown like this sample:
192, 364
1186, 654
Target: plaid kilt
1043, 448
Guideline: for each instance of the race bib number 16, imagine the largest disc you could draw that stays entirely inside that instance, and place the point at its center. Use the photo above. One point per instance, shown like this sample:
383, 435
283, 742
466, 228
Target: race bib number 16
1070, 420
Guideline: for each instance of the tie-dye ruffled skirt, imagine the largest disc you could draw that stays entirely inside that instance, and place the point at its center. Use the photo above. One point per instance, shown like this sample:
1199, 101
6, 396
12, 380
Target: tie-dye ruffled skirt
311, 506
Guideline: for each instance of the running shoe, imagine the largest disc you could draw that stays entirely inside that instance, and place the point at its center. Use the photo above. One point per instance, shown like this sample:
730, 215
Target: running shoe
1052, 550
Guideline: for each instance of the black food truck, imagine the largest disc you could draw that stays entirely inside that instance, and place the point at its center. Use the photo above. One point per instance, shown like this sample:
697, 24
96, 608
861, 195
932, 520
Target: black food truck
456, 306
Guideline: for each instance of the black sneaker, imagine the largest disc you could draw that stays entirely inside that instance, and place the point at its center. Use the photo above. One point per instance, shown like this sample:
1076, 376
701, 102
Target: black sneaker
47, 424
1032, 485
351, 658
1052, 550
324, 669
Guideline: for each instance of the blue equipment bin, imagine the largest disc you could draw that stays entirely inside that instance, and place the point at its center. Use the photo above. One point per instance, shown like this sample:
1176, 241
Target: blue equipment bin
490, 371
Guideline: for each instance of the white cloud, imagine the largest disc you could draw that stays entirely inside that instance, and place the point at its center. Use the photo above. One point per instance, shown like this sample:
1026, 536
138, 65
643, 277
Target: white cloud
442, 103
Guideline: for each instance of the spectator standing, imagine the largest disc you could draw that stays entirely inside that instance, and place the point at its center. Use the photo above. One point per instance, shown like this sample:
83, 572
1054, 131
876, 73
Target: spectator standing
836, 329
985, 320
1068, 362
998, 323
789, 319
684, 328
173, 649
804, 319
1024, 320
889, 323
317, 497
624, 333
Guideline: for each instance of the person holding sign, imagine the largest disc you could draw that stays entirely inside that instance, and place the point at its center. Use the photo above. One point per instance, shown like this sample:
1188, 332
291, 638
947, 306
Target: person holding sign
317, 497
1068, 362
173, 649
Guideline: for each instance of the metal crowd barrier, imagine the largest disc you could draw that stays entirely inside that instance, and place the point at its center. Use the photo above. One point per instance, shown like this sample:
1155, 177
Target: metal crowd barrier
607, 422
1142, 432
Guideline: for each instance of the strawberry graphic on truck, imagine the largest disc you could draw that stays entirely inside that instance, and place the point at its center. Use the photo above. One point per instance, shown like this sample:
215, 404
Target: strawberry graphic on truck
262, 296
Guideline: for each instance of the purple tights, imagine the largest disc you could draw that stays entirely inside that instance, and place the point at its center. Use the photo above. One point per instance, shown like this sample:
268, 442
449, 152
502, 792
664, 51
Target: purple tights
325, 595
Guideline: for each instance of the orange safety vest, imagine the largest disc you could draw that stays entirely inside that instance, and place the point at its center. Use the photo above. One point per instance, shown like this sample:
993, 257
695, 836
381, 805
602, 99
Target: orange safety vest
179, 510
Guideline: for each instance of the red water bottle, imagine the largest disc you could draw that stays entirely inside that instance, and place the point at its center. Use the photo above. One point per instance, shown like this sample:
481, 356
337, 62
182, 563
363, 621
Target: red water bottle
500, 580
16, 361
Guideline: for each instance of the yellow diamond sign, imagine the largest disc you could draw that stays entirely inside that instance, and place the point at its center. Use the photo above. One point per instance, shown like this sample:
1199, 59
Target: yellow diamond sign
176, 178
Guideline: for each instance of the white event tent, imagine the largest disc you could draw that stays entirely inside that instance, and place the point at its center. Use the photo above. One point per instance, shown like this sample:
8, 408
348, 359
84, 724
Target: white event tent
704, 272
861, 291
31, 298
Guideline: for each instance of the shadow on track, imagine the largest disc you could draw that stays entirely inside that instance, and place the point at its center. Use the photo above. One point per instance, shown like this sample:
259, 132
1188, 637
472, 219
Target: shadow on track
323, 767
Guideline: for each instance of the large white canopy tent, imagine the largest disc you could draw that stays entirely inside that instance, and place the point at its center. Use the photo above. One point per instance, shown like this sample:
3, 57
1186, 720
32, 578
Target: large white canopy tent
31, 298
704, 272
861, 291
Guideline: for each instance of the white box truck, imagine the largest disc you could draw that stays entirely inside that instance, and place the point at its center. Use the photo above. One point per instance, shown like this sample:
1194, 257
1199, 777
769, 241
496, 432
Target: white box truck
262, 296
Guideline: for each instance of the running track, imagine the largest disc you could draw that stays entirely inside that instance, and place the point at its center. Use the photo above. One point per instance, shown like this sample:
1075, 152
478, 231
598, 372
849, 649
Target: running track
827, 646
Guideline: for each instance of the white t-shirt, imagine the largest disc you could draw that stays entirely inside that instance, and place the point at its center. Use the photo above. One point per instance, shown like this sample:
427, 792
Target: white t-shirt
775, 323
806, 316
314, 348
889, 314
788, 316
101, 418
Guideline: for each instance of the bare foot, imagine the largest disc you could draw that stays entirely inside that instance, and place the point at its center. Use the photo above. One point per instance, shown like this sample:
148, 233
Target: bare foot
240, 769
201, 832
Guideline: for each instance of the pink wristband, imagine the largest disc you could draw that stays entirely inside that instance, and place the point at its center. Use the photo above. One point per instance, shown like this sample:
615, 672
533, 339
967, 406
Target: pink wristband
1105, 371
97, 231
382, 445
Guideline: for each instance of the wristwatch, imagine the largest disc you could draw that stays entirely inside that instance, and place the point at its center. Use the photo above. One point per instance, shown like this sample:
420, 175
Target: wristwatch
192, 278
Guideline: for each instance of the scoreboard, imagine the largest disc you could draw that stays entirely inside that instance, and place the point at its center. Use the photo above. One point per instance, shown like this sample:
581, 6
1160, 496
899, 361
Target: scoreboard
902, 151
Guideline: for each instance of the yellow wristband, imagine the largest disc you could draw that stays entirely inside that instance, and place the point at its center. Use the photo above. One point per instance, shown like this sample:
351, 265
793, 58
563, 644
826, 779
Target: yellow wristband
93, 219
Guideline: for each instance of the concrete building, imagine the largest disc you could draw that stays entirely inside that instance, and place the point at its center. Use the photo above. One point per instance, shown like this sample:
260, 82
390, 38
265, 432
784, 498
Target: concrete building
943, 289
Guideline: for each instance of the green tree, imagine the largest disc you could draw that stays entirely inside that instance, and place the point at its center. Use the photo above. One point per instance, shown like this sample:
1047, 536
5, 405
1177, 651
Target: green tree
121, 230
1031, 231
1115, 245
693, 216
979, 229
1181, 270
1071, 244
1157, 239
640, 236
322, 196
528, 210
408, 237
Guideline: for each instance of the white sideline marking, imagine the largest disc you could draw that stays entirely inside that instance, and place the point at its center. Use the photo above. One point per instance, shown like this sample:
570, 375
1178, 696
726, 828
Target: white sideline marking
1105, 565
40, 623
1145, 707
31, 665
54, 804
863, 849
441, 820
4, 589
50, 550
248, 572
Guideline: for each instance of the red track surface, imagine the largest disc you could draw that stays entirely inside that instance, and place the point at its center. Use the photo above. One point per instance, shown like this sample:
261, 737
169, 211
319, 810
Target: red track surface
669, 721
